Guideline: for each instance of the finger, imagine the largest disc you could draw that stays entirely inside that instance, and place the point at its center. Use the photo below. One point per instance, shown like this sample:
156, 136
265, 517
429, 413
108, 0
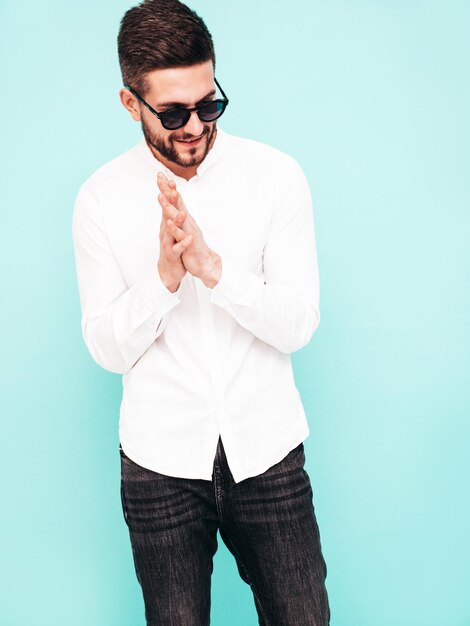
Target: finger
179, 219
165, 233
163, 185
177, 200
169, 211
161, 180
171, 194
175, 196
166, 238
177, 232
181, 246
169, 188
160, 183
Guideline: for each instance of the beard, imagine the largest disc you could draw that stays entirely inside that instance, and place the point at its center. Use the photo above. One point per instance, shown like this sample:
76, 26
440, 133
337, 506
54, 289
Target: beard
170, 151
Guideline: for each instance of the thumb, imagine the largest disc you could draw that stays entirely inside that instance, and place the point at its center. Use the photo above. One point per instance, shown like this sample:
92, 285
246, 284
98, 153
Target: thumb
181, 246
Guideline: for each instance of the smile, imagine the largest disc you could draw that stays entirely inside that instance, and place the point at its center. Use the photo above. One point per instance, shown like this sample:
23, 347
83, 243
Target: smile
191, 142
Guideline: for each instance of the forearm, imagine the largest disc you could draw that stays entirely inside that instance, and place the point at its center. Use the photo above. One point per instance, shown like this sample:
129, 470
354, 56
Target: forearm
274, 313
118, 336
212, 270
282, 305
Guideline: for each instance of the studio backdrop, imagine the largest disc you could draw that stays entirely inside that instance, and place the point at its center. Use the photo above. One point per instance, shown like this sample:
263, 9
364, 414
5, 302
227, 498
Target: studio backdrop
372, 99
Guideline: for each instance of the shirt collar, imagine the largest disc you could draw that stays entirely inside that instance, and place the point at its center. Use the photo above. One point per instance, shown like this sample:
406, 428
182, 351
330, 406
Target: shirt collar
211, 158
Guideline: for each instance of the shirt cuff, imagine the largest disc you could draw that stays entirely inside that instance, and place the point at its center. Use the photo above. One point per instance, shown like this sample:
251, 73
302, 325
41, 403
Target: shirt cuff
157, 295
236, 285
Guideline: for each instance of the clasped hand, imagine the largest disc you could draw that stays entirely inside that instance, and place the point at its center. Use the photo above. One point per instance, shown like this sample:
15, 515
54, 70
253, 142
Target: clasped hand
182, 245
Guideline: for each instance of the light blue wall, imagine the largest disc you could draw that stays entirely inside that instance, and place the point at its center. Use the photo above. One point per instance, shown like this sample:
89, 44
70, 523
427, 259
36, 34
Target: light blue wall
372, 98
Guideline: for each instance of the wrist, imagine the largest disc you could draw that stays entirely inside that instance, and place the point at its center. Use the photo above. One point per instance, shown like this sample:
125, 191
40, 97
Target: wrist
170, 283
213, 270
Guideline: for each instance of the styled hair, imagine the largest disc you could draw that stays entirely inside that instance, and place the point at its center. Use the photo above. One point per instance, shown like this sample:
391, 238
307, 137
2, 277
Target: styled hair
161, 34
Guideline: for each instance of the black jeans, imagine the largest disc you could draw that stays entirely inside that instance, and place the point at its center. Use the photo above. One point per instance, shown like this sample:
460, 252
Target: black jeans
267, 522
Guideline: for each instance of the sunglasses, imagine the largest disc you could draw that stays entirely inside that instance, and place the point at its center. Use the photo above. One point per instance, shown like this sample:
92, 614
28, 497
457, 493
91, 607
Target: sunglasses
172, 119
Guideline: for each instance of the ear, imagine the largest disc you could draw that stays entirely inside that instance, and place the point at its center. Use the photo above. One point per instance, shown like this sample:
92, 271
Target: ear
129, 102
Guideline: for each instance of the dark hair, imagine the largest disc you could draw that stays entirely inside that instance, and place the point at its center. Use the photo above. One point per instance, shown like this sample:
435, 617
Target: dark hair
161, 34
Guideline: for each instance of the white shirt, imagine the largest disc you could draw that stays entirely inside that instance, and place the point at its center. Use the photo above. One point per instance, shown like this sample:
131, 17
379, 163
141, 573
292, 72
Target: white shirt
202, 362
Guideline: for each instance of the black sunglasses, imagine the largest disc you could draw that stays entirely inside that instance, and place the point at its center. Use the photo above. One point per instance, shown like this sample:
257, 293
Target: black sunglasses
172, 119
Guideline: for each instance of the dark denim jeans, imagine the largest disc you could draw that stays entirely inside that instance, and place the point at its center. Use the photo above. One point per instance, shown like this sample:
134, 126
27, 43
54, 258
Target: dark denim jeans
267, 522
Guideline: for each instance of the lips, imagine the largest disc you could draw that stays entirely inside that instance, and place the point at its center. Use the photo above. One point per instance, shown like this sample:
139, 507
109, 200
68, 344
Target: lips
190, 142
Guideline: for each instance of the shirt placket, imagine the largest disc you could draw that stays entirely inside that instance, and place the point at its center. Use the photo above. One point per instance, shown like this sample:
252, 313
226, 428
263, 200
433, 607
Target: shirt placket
210, 340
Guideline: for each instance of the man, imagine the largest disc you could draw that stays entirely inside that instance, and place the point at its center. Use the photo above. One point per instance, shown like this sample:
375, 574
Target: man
197, 272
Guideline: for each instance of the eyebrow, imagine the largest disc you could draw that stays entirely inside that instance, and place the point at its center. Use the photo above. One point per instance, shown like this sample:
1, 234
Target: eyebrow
182, 104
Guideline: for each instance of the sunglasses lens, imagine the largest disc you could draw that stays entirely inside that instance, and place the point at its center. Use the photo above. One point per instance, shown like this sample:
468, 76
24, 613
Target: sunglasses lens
212, 110
177, 118
174, 119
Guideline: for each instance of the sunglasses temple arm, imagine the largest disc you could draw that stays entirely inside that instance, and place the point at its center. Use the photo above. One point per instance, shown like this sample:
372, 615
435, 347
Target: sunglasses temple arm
222, 91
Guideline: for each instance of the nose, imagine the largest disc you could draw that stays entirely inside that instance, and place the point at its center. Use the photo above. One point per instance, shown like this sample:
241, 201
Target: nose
194, 126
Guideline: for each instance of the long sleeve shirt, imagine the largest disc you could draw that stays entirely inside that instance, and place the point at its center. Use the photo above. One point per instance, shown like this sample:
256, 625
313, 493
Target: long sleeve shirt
201, 362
